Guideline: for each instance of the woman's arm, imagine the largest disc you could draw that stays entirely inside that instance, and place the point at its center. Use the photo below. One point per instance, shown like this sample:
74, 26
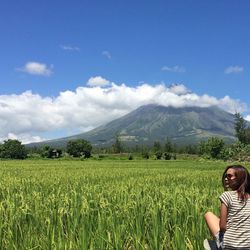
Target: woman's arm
223, 217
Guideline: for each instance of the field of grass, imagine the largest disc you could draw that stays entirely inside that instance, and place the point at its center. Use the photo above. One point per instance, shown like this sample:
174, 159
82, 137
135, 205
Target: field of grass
60, 204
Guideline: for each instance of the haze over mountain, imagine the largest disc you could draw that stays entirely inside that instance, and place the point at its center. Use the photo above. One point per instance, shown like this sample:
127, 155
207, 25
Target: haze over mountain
151, 123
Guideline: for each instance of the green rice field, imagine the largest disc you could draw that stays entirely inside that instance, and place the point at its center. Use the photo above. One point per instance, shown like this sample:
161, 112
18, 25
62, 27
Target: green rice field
107, 204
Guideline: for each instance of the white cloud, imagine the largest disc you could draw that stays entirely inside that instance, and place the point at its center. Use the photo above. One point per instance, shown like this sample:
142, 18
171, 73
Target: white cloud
27, 115
36, 68
97, 81
233, 69
247, 118
24, 138
69, 47
176, 69
178, 89
106, 54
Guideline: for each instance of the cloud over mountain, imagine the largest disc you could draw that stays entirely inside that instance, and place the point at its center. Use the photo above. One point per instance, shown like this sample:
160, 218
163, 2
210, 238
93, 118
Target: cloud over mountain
28, 114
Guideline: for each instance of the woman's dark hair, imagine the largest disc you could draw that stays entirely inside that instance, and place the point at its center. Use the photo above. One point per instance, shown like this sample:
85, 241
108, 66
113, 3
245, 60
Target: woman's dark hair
241, 183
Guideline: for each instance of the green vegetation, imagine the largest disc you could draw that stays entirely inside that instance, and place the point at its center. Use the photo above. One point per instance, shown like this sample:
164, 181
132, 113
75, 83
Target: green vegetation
74, 204
79, 148
12, 149
117, 146
49, 152
212, 147
241, 130
115, 198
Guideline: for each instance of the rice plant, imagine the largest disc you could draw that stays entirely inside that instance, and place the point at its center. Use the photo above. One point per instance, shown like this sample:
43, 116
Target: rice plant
57, 204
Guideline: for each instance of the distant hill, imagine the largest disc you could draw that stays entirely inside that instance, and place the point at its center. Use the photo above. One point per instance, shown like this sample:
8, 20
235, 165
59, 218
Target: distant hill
151, 123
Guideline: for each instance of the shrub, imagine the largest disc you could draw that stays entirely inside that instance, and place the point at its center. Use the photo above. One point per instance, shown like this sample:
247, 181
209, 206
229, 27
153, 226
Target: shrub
212, 148
130, 157
158, 155
167, 156
145, 155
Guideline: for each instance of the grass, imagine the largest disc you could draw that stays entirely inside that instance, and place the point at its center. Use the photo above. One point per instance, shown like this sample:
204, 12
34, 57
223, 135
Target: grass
60, 204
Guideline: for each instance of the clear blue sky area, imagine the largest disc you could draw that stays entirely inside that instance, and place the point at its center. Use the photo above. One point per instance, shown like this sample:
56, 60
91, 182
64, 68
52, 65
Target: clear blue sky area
203, 45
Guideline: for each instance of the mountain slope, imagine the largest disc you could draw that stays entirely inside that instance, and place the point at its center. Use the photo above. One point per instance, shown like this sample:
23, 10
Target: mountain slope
154, 122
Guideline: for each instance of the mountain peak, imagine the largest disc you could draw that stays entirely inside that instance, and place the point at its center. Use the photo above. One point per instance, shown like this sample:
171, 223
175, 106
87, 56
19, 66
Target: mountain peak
152, 122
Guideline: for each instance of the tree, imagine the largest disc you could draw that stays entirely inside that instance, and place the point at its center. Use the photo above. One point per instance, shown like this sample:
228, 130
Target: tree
202, 148
214, 147
49, 152
191, 149
158, 155
13, 149
168, 147
240, 127
157, 146
117, 146
79, 148
167, 156
247, 136
145, 154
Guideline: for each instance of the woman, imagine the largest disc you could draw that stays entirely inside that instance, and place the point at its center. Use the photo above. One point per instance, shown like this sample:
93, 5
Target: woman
232, 229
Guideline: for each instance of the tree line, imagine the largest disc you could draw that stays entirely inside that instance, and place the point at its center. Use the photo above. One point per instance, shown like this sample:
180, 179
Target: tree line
13, 149
212, 148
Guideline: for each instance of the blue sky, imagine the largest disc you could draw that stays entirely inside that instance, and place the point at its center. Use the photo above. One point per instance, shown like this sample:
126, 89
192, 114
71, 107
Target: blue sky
69, 66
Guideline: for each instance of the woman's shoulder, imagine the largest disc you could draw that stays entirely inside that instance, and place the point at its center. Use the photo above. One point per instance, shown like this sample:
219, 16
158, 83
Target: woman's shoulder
229, 193
232, 192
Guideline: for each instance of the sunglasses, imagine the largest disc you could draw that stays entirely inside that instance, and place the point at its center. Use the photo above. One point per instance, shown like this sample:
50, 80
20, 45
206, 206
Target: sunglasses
228, 176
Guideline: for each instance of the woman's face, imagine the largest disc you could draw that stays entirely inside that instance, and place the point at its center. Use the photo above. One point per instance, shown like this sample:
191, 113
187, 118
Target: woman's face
229, 177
